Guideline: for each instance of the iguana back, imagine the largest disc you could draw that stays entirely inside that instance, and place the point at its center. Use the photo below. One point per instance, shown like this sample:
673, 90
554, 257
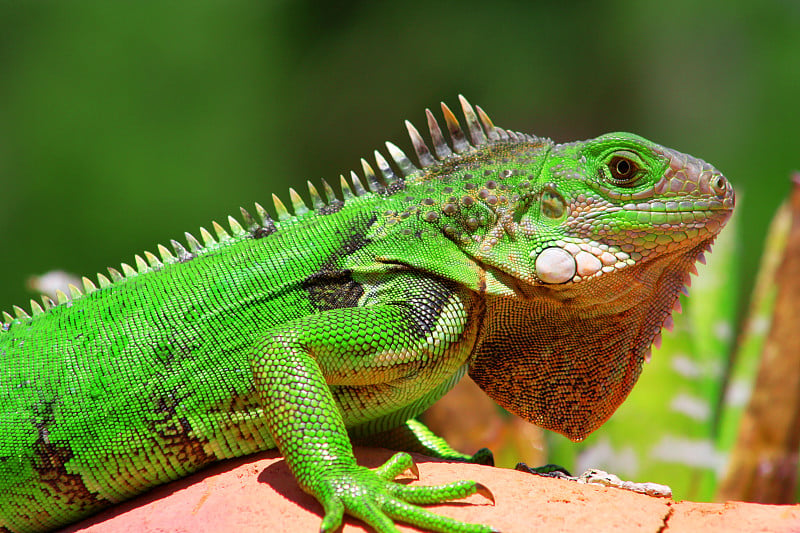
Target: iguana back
147, 379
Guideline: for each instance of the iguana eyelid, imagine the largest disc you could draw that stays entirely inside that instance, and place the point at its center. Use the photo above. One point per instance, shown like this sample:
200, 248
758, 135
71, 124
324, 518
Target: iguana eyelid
627, 154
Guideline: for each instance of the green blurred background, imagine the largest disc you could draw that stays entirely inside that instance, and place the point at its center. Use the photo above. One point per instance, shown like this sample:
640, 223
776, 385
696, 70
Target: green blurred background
123, 124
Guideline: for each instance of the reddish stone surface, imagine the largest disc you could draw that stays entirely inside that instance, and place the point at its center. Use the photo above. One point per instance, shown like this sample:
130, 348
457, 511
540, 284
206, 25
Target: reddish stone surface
258, 494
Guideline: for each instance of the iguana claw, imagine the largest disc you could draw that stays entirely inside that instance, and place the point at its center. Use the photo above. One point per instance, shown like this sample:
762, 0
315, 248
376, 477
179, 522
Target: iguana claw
396, 465
484, 491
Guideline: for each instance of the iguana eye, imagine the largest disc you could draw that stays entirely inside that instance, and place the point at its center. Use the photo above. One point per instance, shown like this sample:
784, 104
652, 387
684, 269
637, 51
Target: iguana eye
624, 171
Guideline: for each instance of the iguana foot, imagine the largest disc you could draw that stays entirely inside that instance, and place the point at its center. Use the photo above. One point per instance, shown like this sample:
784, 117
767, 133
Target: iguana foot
548, 470
484, 456
373, 496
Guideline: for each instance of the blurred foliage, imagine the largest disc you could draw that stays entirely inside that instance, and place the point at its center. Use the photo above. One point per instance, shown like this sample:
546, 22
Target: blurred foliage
124, 124
764, 439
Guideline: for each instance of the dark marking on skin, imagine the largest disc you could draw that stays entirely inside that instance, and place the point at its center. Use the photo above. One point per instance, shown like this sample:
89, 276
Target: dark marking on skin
332, 287
334, 207
482, 281
49, 461
427, 300
169, 346
185, 424
395, 186
350, 243
333, 290
357, 238
175, 432
268, 228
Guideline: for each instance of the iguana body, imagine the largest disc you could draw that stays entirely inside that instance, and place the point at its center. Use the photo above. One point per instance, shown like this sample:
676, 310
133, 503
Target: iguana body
544, 270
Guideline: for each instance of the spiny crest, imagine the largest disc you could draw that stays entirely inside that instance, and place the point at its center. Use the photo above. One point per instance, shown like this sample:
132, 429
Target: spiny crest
254, 227
479, 131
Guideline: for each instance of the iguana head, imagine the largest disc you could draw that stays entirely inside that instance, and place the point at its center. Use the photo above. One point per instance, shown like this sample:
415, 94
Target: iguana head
534, 213
612, 202
581, 250
596, 251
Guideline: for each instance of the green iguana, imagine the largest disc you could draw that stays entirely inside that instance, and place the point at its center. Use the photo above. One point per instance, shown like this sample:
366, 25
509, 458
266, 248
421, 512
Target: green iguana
543, 270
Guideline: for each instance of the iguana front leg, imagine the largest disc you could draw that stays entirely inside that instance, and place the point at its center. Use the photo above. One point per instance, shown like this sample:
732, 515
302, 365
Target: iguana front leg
347, 366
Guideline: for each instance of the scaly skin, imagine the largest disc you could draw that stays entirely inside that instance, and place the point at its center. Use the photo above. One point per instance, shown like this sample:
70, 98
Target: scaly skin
544, 270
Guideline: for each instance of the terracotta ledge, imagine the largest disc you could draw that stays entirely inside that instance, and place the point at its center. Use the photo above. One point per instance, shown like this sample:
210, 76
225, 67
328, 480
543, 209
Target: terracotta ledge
257, 494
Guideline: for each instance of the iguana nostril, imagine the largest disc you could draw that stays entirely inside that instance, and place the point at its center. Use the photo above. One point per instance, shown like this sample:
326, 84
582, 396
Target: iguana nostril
719, 185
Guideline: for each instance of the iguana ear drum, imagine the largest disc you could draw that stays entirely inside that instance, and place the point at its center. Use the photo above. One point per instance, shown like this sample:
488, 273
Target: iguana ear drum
552, 203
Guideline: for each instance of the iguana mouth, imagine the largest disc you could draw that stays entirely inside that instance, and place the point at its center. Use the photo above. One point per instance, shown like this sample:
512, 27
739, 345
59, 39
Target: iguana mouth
572, 261
694, 220
684, 212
